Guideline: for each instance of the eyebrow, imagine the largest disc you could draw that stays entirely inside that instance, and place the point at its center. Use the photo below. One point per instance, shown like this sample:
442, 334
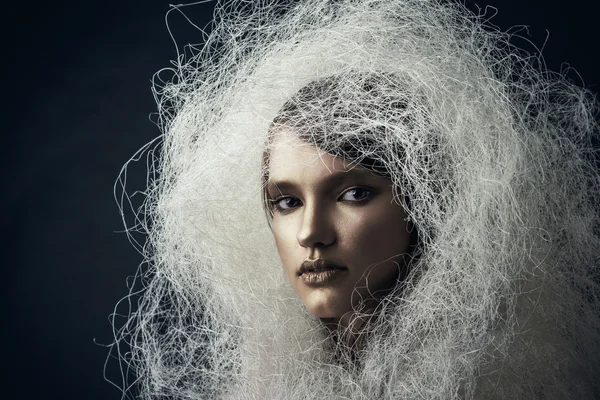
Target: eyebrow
337, 177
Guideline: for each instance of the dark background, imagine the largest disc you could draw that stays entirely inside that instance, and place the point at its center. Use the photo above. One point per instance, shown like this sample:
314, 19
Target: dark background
76, 106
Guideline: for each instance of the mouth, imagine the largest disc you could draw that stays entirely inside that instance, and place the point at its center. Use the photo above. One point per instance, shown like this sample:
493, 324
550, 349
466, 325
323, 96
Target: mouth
315, 266
320, 272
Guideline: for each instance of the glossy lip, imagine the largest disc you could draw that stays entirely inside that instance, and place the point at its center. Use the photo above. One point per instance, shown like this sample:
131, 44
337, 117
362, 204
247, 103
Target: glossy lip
318, 265
322, 277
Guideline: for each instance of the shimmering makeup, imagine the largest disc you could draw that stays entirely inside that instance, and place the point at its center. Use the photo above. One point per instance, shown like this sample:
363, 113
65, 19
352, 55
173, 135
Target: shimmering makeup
341, 216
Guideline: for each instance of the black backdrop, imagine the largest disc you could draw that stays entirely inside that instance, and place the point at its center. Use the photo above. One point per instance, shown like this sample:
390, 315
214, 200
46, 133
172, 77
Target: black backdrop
76, 106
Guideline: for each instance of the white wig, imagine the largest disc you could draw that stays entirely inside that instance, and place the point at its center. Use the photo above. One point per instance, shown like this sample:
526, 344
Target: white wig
490, 155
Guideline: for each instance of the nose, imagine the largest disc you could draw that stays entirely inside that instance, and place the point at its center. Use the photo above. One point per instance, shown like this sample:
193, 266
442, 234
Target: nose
316, 227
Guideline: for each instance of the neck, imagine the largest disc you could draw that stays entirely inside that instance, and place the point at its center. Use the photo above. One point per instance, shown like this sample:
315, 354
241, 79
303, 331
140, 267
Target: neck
349, 330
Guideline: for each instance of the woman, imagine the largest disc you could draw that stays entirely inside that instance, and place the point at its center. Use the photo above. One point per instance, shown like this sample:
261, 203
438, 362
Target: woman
431, 201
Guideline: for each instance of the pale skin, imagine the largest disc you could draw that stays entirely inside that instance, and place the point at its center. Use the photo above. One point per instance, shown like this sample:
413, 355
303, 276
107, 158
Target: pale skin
326, 209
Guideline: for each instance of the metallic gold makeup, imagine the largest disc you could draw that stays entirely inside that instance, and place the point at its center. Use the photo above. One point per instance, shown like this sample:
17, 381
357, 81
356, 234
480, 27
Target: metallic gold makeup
339, 232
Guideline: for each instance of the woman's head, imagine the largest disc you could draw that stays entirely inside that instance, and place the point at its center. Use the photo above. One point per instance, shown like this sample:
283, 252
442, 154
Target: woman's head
330, 193
341, 220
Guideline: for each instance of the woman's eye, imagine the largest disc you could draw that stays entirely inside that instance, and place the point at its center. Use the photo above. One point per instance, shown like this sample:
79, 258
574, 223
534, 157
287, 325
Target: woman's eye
356, 194
286, 203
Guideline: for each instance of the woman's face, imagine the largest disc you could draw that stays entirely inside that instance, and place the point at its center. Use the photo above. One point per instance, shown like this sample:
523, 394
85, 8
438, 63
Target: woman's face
336, 228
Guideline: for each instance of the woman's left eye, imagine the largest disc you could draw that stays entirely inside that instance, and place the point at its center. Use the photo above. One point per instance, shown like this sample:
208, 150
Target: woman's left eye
356, 194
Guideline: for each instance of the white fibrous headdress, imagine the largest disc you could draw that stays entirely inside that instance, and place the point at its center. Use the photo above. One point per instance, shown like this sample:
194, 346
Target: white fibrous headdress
490, 154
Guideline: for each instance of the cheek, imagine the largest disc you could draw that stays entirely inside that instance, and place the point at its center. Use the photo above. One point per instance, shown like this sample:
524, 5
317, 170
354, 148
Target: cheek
285, 241
376, 241
379, 234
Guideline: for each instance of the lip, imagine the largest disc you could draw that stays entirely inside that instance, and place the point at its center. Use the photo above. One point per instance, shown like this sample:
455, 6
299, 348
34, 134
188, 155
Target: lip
320, 272
322, 277
318, 265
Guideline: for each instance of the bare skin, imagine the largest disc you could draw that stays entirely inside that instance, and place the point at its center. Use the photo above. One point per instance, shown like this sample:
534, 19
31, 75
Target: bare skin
345, 217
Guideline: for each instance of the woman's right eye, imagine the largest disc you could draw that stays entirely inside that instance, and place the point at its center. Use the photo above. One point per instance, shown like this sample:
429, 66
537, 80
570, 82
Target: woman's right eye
286, 203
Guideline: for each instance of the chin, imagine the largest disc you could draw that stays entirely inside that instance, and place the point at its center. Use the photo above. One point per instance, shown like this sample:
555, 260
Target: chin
323, 313
324, 307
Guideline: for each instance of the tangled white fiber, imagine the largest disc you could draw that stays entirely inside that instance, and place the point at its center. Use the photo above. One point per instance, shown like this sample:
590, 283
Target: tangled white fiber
493, 159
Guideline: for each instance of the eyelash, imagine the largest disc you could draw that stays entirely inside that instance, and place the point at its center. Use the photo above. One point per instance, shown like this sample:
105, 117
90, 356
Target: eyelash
275, 203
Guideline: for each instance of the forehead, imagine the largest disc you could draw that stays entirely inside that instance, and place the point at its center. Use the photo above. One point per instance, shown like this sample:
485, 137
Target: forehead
297, 164
290, 155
